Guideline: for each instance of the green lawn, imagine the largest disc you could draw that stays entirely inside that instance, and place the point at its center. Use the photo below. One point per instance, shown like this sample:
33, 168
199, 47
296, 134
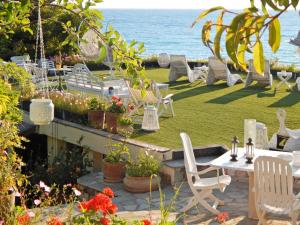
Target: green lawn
214, 114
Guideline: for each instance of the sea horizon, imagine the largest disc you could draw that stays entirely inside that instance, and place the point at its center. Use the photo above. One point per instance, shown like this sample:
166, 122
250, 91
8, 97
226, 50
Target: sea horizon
169, 31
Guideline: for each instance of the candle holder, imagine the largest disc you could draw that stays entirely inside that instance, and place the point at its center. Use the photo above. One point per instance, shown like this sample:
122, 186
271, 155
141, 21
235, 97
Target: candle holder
234, 149
249, 151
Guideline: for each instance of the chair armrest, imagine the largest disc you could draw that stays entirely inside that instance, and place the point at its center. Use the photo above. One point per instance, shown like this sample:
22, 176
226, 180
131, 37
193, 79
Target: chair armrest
208, 170
168, 96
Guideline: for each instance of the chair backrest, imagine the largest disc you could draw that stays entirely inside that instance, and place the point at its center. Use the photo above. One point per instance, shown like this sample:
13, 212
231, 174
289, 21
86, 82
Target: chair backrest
179, 62
256, 75
138, 97
189, 158
273, 182
217, 68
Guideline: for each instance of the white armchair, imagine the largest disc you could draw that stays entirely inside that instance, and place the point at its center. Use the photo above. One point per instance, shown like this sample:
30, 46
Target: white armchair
202, 188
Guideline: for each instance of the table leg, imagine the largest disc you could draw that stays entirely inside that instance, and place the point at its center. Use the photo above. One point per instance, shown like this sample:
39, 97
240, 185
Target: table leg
251, 198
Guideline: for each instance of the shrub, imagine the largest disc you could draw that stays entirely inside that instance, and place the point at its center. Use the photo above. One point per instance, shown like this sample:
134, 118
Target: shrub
116, 106
125, 121
118, 153
145, 166
96, 104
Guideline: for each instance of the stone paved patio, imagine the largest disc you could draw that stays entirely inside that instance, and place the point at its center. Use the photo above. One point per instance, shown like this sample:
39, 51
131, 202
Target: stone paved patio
136, 206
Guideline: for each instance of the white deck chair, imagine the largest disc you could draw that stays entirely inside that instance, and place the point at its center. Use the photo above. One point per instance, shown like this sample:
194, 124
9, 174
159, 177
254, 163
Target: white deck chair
217, 70
179, 67
152, 97
265, 79
273, 183
201, 188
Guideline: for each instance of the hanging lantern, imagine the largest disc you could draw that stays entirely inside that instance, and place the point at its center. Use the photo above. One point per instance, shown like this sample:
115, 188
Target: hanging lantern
41, 111
163, 60
249, 151
234, 149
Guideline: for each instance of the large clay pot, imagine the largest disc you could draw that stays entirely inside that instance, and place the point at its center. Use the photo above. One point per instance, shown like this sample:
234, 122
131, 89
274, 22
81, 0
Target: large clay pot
96, 118
113, 172
112, 121
140, 184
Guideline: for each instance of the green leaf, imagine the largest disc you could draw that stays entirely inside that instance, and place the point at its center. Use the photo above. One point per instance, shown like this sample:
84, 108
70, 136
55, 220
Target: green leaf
272, 5
217, 41
295, 3
274, 34
258, 57
204, 13
241, 56
102, 53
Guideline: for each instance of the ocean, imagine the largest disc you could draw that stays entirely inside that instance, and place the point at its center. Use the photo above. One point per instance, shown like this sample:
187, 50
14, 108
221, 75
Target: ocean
170, 31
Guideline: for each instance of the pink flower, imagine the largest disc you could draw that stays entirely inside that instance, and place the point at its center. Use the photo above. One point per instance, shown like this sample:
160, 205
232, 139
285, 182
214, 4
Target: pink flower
120, 104
47, 189
42, 184
37, 201
77, 193
115, 98
18, 194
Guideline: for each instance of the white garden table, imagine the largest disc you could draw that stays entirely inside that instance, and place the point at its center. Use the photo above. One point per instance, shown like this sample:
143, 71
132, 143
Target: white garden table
224, 162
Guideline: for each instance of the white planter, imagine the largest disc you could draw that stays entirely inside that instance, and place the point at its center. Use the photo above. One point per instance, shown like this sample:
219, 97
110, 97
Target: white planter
41, 111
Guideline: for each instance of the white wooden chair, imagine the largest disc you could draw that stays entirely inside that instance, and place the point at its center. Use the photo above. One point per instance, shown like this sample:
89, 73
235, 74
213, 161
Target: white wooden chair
217, 70
152, 97
265, 79
179, 67
273, 183
201, 188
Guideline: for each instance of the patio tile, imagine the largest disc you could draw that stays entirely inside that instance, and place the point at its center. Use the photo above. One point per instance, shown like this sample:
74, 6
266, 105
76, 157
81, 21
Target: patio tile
135, 206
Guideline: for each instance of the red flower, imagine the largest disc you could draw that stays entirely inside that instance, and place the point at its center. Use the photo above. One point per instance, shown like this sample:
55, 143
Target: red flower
115, 98
120, 104
130, 107
112, 209
104, 221
24, 220
146, 222
107, 191
222, 217
54, 221
83, 206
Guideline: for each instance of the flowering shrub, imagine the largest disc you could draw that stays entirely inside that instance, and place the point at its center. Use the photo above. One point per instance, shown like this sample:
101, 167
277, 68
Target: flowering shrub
222, 217
116, 105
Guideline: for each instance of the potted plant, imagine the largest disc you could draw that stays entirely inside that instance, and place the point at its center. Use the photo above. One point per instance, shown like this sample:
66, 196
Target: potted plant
115, 162
141, 174
125, 126
113, 113
96, 113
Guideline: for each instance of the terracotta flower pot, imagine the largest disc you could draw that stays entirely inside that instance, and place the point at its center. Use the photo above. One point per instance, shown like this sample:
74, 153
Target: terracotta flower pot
113, 172
140, 184
96, 118
112, 121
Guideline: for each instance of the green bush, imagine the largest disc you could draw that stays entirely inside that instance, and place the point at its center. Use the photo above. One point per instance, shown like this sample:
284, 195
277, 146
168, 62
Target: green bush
96, 104
118, 153
145, 166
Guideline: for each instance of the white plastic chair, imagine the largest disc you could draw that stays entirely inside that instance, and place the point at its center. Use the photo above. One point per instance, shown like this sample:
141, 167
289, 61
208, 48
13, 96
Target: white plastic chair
201, 188
152, 97
273, 183
265, 79
217, 70
179, 67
